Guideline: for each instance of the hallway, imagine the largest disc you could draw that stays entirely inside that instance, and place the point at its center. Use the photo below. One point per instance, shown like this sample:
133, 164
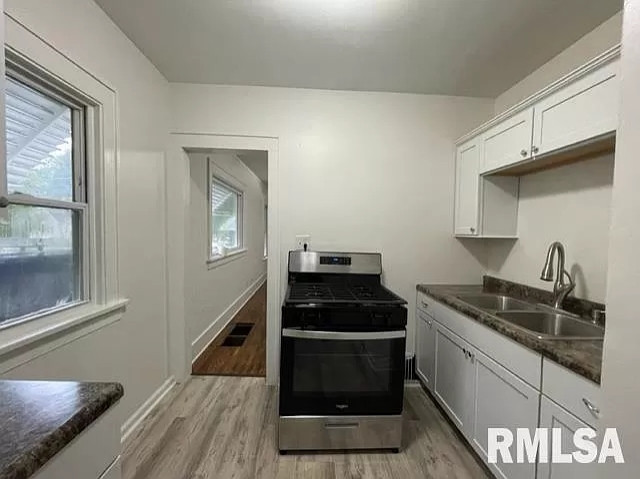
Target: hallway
248, 359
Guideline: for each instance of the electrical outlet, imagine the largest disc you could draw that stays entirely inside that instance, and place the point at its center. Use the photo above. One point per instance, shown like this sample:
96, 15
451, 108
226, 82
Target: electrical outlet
301, 240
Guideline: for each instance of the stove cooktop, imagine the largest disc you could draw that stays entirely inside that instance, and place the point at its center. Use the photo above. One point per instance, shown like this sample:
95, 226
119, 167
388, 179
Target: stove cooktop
341, 293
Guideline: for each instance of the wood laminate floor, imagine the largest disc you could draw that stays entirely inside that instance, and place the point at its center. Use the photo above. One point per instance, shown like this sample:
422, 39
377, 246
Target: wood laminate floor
246, 360
226, 427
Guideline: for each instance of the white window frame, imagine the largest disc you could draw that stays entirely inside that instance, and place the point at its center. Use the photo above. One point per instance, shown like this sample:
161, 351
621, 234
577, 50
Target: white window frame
265, 222
104, 304
40, 81
218, 175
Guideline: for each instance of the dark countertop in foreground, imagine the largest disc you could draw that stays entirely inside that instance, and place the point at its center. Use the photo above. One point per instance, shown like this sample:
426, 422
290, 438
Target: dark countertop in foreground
583, 356
39, 418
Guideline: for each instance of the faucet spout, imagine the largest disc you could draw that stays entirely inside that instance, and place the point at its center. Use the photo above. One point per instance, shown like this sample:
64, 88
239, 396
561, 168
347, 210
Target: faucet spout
561, 288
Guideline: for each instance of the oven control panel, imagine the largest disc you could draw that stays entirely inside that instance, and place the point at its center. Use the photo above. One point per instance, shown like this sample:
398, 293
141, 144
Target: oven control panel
337, 260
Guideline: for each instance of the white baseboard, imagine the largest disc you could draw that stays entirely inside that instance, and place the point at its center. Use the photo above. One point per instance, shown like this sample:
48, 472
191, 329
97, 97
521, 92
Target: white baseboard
211, 332
131, 424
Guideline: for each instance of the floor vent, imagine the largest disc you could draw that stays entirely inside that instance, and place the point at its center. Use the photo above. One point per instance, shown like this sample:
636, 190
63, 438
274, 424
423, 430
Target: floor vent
238, 334
410, 368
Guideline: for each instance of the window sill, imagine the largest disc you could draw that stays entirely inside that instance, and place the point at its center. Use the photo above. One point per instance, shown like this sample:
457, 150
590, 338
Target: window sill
222, 260
24, 334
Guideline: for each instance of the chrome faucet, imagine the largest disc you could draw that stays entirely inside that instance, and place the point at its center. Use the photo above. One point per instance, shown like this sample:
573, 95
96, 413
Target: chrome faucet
560, 288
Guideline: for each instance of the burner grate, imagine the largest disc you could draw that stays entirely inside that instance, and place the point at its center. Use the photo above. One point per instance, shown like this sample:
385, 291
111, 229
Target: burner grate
338, 292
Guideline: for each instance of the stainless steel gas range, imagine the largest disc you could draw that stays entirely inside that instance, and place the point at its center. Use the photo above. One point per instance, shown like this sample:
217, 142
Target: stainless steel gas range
342, 355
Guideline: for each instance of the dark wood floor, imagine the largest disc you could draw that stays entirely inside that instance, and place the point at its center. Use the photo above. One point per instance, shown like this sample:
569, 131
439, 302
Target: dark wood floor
246, 360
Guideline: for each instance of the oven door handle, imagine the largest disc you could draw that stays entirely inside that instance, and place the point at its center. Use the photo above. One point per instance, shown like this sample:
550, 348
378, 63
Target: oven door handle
341, 335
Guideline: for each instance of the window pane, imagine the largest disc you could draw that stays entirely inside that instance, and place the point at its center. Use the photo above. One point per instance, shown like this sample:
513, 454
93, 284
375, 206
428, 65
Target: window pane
224, 217
39, 143
39, 260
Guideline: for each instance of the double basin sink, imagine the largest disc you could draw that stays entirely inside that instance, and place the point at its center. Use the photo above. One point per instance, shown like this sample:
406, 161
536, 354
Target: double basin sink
539, 320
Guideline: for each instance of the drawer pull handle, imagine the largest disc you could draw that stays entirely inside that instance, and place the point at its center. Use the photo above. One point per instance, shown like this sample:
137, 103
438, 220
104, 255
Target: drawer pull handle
591, 407
342, 425
425, 305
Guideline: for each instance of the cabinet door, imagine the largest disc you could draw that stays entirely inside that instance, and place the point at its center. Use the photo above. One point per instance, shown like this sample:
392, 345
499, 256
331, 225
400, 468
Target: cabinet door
501, 399
584, 109
508, 142
425, 349
467, 189
554, 416
454, 377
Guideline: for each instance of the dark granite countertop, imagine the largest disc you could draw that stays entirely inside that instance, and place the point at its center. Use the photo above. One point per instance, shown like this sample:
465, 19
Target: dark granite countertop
39, 418
581, 356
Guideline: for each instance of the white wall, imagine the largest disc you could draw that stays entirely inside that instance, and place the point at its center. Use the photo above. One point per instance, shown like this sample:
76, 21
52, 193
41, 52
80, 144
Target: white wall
570, 204
215, 292
133, 350
590, 46
621, 388
357, 171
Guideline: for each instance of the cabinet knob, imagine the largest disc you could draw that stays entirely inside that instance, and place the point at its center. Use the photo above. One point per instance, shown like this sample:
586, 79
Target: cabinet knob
523, 152
473, 230
535, 149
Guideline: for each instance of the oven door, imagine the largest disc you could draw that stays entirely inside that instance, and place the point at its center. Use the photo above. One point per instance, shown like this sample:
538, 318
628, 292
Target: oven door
329, 373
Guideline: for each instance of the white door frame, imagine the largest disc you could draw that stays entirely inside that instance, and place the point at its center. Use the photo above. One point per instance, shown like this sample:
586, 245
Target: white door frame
177, 177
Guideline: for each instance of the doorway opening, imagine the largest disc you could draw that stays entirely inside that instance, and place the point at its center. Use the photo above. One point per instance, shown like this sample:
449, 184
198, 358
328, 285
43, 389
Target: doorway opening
226, 261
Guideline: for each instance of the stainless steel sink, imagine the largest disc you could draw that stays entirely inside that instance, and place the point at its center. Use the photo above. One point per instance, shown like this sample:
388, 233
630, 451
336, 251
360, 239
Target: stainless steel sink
549, 325
496, 302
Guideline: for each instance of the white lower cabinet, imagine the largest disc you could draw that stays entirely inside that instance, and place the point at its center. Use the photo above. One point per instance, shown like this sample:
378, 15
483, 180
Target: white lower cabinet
94, 454
454, 377
501, 399
555, 416
426, 349
484, 380
114, 471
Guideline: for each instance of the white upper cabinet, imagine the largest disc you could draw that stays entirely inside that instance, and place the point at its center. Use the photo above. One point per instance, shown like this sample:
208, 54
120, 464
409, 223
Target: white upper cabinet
484, 206
583, 110
467, 188
569, 120
508, 142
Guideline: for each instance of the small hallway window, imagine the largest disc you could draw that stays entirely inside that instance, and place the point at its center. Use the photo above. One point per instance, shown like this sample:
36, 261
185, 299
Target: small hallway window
226, 218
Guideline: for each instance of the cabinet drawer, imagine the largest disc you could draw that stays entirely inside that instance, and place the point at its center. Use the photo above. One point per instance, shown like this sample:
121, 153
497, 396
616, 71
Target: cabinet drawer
572, 391
424, 303
520, 360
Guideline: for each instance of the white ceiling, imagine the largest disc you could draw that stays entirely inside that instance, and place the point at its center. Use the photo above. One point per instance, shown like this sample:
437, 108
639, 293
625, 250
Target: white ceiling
256, 161
455, 47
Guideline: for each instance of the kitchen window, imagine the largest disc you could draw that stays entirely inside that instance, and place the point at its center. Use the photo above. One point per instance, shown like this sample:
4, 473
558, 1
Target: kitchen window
226, 205
44, 235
